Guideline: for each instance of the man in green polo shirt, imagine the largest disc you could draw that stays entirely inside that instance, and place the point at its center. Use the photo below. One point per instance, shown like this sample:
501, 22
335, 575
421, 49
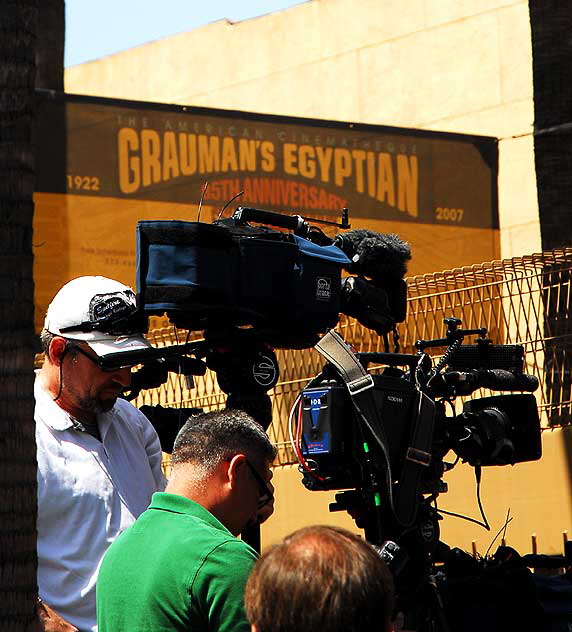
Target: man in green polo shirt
180, 566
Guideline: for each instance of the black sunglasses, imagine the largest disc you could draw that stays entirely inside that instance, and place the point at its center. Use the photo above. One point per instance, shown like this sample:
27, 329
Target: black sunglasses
97, 360
265, 494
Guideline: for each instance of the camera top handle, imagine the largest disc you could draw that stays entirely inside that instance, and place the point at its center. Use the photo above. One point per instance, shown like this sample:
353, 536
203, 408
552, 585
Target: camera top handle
453, 334
391, 359
296, 223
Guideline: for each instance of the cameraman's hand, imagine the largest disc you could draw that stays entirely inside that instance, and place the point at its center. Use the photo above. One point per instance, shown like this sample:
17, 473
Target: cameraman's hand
50, 620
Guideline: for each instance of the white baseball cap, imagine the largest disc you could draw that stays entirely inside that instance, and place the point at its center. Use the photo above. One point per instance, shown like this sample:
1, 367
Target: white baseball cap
99, 311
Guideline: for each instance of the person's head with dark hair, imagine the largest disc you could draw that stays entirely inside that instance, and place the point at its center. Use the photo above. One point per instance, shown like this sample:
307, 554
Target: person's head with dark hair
222, 461
320, 579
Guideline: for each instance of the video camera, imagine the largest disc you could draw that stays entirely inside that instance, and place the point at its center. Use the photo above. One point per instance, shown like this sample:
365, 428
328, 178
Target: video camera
382, 438
257, 281
409, 409
284, 281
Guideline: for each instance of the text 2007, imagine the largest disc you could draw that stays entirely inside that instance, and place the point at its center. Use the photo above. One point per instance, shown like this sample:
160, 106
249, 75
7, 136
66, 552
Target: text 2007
446, 214
82, 183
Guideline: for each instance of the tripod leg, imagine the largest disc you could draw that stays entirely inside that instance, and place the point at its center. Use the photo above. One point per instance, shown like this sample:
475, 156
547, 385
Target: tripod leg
436, 619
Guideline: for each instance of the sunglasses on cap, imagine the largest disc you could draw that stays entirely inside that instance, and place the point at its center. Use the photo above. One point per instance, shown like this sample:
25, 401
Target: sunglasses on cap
115, 314
134, 323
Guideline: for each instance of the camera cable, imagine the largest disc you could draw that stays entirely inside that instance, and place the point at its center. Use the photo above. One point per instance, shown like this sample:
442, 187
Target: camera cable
484, 523
296, 440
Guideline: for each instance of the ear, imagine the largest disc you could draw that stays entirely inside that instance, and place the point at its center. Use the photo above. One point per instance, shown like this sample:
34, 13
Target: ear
236, 469
57, 350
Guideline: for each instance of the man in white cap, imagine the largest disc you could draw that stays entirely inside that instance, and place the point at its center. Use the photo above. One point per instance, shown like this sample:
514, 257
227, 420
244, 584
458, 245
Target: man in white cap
99, 458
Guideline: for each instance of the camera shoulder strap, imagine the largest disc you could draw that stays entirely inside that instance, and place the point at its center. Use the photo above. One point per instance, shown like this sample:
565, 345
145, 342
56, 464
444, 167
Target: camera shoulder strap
360, 384
417, 458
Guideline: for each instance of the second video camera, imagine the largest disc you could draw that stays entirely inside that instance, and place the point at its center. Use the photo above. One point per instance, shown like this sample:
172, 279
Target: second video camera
286, 284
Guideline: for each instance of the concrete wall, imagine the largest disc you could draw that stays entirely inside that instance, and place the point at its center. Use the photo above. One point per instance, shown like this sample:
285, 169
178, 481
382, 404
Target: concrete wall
450, 65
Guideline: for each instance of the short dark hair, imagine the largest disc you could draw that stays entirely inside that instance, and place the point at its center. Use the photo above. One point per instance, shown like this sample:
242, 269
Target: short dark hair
320, 579
209, 438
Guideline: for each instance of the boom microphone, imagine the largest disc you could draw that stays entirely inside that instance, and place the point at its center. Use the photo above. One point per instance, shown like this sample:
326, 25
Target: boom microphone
495, 379
381, 257
500, 380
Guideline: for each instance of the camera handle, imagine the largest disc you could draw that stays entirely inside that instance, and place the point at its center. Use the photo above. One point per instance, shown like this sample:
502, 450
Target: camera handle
453, 335
298, 224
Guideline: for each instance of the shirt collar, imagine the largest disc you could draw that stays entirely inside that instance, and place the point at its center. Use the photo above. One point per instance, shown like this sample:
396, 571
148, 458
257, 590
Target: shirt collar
48, 411
180, 504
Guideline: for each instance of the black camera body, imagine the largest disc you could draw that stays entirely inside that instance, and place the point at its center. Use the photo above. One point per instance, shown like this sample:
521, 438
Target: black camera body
332, 439
385, 435
214, 276
284, 281
497, 430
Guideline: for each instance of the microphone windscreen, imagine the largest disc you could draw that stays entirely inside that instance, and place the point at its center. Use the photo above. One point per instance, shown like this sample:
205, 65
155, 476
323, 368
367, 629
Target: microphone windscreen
379, 256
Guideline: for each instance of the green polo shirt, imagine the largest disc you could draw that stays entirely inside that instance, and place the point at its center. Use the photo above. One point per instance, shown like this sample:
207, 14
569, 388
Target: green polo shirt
176, 568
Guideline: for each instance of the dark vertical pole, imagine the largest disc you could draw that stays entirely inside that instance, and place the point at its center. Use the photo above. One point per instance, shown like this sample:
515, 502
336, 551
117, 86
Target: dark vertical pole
18, 560
551, 26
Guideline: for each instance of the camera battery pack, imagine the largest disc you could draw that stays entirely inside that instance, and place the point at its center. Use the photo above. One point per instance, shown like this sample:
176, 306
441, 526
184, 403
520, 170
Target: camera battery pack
322, 420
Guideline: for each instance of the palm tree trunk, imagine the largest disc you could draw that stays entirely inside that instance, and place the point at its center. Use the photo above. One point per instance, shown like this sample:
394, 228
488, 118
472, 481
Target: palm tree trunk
18, 562
551, 25
50, 45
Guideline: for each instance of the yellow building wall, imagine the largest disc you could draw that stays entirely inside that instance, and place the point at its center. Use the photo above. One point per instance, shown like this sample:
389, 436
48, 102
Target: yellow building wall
450, 65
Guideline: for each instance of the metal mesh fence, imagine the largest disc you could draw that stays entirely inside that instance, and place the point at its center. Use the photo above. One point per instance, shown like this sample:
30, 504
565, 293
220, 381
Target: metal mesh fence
524, 300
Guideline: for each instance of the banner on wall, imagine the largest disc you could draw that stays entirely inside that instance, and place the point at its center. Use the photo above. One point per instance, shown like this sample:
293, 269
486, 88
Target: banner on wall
103, 164
144, 151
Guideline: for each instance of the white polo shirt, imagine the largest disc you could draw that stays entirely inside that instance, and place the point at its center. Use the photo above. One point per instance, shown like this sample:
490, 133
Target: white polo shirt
89, 491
